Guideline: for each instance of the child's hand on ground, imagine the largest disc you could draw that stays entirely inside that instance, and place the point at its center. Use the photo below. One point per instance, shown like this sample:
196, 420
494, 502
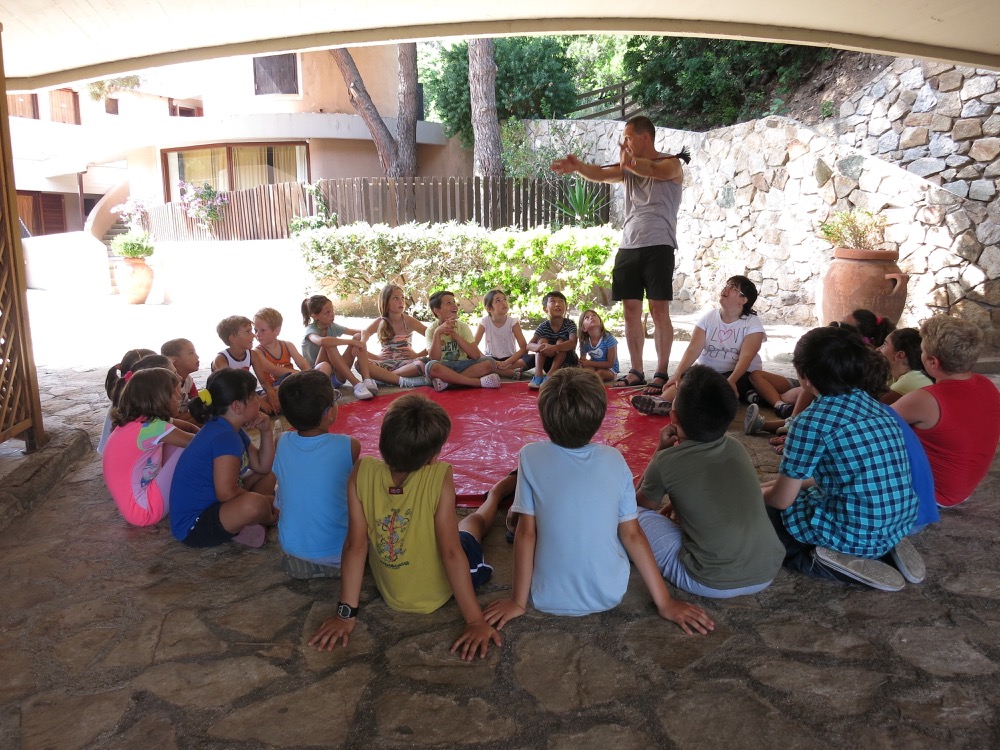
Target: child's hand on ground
502, 611
689, 617
331, 631
476, 638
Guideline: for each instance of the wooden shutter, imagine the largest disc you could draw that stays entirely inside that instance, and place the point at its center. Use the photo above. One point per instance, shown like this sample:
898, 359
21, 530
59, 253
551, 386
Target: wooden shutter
65, 106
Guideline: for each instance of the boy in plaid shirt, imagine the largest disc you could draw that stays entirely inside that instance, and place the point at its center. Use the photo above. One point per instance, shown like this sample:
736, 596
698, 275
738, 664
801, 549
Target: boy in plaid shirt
843, 498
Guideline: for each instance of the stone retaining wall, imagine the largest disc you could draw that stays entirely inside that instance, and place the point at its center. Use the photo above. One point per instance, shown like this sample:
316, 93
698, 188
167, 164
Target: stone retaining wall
756, 193
936, 120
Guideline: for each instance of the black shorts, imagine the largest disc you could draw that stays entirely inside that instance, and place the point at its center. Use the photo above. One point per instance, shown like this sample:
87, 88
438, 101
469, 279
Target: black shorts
208, 530
743, 385
643, 272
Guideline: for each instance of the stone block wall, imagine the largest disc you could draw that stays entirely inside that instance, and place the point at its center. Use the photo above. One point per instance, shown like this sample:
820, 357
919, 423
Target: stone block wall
755, 196
935, 120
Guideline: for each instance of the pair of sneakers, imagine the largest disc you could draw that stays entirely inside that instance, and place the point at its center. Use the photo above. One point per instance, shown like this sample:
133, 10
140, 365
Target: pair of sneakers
781, 409
909, 566
365, 389
487, 381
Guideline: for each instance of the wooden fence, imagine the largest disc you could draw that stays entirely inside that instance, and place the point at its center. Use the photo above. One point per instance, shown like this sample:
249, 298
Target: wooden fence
616, 102
263, 213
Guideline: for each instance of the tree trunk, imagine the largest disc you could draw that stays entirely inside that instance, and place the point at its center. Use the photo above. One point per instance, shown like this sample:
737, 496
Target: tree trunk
406, 131
486, 131
483, 100
397, 156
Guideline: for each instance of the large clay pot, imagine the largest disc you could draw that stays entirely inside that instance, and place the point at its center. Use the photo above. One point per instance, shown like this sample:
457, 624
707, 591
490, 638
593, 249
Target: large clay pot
863, 279
134, 279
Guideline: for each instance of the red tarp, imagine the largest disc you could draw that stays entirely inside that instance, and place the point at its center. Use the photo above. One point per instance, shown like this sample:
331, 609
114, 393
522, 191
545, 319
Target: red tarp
490, 426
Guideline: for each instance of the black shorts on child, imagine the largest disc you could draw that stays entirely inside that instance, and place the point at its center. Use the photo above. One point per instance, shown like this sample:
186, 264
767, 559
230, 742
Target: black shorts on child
480, 571
208, 530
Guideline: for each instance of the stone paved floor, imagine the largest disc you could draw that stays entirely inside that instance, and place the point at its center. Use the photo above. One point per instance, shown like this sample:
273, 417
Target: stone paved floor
115, 637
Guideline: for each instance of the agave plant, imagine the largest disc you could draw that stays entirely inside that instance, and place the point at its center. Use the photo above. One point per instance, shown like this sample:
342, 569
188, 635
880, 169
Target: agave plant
583, 204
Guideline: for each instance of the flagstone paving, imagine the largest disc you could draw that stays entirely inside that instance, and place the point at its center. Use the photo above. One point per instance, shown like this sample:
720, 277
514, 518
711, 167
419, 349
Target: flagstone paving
116, 637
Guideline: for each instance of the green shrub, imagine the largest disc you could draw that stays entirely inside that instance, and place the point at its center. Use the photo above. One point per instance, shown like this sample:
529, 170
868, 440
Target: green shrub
359, 259
135, 244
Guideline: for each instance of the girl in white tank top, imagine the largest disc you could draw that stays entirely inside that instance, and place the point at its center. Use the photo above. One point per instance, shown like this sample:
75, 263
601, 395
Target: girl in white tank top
504, 341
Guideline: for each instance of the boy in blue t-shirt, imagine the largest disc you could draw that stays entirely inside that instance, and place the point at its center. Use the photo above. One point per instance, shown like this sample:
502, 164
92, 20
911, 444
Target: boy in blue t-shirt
577, 517
844, 496
312, 467
554, 342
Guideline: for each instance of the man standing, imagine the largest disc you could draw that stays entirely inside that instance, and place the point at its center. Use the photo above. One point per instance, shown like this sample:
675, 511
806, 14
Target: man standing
645, 261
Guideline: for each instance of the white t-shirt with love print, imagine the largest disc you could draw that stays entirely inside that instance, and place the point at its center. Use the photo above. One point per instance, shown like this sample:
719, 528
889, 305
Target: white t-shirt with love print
723, 341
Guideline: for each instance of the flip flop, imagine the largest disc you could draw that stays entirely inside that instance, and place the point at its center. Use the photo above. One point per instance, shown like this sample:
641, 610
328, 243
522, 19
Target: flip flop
622, 380
654, 388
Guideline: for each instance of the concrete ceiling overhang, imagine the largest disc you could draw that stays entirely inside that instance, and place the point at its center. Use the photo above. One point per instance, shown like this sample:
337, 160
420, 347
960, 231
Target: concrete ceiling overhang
52, 42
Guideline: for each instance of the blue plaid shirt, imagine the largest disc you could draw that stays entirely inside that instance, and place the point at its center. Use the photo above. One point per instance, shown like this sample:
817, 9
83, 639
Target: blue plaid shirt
863, 502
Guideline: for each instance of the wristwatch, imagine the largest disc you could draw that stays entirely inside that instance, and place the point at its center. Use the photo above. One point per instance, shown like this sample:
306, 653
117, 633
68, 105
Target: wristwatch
346, 611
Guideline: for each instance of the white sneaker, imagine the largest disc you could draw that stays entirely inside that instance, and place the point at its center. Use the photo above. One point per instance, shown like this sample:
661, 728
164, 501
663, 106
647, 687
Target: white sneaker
872, 573
439, 385
908, 561
361, 392
490, 381
753, 422
371, 385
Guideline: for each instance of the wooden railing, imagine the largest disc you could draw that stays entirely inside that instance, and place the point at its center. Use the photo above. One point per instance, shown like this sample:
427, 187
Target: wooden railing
615, 102
20, 404
264, 212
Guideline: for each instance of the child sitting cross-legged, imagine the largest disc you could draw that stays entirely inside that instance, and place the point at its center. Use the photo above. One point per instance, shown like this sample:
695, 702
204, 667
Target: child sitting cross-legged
713, 537
185, 360
312, 466
598, 348
554, 342
223, 488
277, 359
453, 358
401, 517
577, 517
844, 498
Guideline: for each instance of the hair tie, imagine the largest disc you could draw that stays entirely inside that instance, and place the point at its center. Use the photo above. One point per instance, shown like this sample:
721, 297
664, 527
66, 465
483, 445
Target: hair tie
878, 320
205, 396
127, 376
866, 339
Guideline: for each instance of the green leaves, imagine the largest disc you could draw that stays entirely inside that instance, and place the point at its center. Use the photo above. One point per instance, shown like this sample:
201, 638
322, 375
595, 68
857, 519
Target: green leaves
697, 84
534, 80
359, 259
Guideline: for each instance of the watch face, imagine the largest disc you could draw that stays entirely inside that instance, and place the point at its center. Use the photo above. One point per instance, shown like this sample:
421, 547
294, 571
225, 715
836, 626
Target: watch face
345, 611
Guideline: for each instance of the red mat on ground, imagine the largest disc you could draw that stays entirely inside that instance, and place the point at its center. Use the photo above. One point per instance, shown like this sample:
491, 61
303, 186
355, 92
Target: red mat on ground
490, 426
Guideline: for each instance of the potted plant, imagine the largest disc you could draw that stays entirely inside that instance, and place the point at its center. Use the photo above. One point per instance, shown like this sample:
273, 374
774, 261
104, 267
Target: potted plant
133, 276
863, 274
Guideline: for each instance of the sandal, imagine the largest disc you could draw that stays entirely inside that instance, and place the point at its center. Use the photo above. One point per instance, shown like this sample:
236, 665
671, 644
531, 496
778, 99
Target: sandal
622, 381
654, 388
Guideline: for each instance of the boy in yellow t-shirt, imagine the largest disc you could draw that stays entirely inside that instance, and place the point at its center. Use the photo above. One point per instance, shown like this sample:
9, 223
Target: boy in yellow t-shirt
401, 514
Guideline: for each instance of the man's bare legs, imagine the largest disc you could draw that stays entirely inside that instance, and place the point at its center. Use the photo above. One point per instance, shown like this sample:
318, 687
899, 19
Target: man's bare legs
635, 334
663, 333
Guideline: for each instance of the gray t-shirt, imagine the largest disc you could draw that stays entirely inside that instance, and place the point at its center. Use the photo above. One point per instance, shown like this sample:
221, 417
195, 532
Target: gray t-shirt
650, 211
728, 541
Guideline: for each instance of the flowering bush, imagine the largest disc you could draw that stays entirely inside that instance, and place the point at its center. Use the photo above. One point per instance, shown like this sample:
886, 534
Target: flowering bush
358, 259
203, 203
134, 213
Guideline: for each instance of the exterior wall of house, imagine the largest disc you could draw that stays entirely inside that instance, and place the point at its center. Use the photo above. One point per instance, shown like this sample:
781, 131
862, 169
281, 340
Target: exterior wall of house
229, 89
